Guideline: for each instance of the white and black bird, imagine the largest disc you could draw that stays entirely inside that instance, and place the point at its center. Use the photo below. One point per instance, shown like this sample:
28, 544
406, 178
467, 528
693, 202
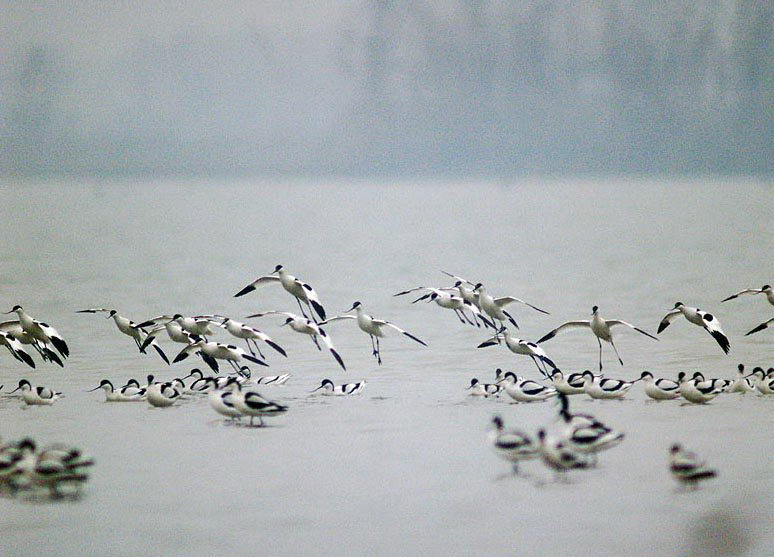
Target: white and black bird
16, 348
329, 388
605, 388
308, 327
252, 404
764, 381
218, 351
512, 445
762, 326
765, 289
130, 329
222, 400
300, 290
696, 390
557, 454
128, 393
45, 349
687, 468
523, 348
570, 385
373, 327
165, 323
445, 299
660, 389
163, 395
703, 319
602, 329
477, 388
248, 334
494, 307
42, 332
525, 390
36, 396
742, 383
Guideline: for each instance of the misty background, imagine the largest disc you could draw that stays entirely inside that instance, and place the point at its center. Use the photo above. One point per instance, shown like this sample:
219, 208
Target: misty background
374, 87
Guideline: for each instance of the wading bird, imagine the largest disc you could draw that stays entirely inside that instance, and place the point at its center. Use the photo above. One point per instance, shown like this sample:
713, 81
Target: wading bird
301, 291
703, 319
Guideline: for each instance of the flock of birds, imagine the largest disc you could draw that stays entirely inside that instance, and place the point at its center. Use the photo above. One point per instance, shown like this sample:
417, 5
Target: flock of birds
234, 395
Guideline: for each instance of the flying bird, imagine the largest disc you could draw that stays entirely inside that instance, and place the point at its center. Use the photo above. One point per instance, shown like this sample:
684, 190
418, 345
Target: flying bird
703, 319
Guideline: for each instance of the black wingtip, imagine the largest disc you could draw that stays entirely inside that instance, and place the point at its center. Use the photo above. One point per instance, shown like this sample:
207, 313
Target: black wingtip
319, 309
61, 346
722, 340
549, 336
255, 360
757, 329
277, 347
661, 327
338, 359
412, 337
246, 290
26, 358
161, 353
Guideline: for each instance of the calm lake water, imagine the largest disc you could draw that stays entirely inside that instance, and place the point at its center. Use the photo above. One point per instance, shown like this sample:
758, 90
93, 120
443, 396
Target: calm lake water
405, 468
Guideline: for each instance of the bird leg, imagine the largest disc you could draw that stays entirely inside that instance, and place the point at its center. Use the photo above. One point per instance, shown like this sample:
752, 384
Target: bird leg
258, 348
465, 315
233, 365
250, 348
457, 313
600, 353
616, 351
378, 352
317, 344
302, 309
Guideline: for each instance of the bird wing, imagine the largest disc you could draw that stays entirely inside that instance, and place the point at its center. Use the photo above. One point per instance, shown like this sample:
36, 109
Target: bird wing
17, 349
455, 277
311, 296
563, 327
614, 322
668, 318
762, 326
329, 344
337, 318
13, 327
272, 312
93, 310
256, 283
382, 323
505, 300
742, 293
55, 338
712, 326
410, 290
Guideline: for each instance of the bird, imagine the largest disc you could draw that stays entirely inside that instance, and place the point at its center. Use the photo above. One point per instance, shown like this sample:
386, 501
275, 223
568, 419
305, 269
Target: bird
601, 328
40, 331
301, 291
604, 388
760, 327
696, 391
53, 467
162, 395
16, 348
557, 454
477, 388
765, 289
494, 306
45, 349
124, 394
525, 390
165, 323
465, 289
765, 381
218, 351
372, 327
305, 326
36, 396
742, 383
698, 317
660, 389
248, 333
571, 385
339, 390
586, 435
512, 445
449, 301
272, 379
687, 468
252, 404
130, 329
222, 401
521, 347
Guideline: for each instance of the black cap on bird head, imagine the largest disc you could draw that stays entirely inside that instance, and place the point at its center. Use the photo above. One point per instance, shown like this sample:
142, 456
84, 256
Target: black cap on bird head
766, 287
645, 374
674, 448
177, 316
27, 443
277, 269
478, 285
473, 382
678, 304
497, 421
595, 309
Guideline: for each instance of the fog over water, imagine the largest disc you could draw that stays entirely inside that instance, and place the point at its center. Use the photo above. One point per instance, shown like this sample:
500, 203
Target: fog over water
385, 88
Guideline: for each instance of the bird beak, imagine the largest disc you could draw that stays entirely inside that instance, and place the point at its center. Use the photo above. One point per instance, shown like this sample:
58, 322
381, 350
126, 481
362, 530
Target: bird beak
16, 389
7, 312
350, 309
286, 323
109, 316
317, 389
94, 389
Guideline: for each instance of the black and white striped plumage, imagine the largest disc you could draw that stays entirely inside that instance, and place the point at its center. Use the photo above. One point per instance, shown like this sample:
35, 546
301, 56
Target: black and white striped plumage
686, 467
